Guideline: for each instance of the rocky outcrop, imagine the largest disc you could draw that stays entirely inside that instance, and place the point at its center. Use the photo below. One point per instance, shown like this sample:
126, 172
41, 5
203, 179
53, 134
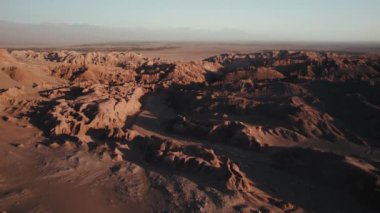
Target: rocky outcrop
228, 132
234, 133
299, 65
126, 60
195, 160
79, 114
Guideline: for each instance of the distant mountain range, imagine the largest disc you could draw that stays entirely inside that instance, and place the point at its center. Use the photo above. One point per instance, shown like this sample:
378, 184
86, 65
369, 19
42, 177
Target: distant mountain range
18, 34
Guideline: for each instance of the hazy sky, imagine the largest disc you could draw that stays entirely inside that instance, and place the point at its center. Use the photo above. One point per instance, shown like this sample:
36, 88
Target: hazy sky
313, 20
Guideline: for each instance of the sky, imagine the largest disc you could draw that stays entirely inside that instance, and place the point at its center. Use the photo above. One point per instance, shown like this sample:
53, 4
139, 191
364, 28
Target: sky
296, 20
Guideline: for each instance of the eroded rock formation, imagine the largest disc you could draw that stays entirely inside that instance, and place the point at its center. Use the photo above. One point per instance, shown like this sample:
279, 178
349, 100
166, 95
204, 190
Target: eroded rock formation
220, 131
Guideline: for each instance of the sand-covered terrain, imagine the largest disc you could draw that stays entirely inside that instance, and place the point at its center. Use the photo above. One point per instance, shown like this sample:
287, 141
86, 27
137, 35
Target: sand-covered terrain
268, 131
